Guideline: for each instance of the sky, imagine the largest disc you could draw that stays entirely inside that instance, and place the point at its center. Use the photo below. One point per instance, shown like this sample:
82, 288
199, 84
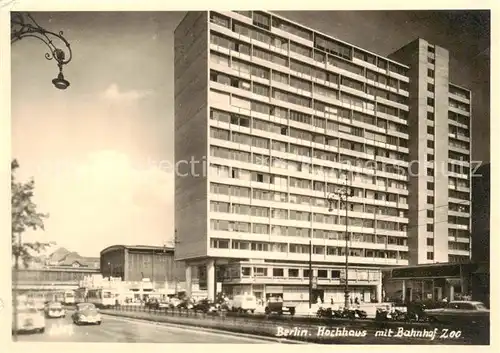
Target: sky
98, 151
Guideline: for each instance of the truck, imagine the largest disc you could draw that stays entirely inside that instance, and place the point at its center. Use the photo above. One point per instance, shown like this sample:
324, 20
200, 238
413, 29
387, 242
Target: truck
276, 305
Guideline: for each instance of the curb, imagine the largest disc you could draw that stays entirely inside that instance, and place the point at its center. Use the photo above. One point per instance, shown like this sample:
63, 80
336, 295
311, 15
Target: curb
211, 330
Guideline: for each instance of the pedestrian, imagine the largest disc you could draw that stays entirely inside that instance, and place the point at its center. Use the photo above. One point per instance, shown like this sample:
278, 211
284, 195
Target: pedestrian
356, 301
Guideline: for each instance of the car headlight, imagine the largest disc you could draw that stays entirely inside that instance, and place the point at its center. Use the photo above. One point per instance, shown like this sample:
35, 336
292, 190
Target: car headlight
83, 317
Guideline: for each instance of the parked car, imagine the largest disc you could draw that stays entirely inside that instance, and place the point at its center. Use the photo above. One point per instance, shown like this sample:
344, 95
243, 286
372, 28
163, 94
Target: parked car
152, 304
205, 306
54, 310
86, 313
174, 302
186, 304
460, 311
28, 319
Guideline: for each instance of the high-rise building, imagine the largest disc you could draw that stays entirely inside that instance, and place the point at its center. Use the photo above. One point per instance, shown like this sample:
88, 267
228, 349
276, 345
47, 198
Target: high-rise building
272, 120
439, 182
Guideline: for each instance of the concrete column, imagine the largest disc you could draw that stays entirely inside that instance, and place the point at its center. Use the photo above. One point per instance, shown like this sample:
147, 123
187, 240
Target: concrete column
211, 279
379, 290
189, 280
403, 287
451, 292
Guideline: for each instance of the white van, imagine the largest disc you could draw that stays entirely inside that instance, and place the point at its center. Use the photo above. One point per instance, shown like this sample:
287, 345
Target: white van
244, 303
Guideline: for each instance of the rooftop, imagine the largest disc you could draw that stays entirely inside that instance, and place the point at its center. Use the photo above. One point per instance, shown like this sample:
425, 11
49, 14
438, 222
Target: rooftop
137, 247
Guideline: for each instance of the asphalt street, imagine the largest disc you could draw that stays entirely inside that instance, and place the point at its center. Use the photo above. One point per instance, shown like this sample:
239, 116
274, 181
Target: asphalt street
116, 329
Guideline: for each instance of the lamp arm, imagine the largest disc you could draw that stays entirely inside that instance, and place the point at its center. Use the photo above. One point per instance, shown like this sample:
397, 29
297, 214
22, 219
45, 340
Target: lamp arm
47, 37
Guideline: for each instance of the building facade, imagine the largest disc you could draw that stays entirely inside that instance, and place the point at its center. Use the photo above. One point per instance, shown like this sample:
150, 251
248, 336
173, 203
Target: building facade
439, 182
139, 262
279, 117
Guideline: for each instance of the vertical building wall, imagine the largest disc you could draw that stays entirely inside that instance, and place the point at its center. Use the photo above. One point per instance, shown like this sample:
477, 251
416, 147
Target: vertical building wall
415, 55
441, 83
481, 214
191, 43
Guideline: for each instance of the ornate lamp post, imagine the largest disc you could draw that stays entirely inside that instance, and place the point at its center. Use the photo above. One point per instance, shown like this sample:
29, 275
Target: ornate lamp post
23, 25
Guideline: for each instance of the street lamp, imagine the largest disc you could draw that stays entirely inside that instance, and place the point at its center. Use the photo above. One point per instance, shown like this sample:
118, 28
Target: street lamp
23, 25
343, 194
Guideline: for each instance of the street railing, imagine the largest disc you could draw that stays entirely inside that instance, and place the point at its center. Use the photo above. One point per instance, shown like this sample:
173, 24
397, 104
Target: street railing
270, 325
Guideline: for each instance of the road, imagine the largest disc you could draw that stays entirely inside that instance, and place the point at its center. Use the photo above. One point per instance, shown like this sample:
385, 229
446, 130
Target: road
116, 329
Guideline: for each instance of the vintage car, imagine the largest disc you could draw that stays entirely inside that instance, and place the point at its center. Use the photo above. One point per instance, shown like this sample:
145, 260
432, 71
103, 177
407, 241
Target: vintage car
460, 311
54, 310
28, 319
205, 306
86, 313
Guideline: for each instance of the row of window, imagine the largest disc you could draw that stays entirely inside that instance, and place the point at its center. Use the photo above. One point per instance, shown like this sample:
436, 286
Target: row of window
266, 195
303, 273
322, 94
458, 233
222, 171
458, 156
459, 118
280, 163
302, 67
459, 246
366, 163
311, 136
280, 213
261, 228
459, 92
459, 105
219, 243
327, 45
456, 182
458, 131
459, 144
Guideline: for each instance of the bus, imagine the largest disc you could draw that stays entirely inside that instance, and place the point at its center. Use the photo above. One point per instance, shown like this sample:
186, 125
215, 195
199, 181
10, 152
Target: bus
68, 297
101, 298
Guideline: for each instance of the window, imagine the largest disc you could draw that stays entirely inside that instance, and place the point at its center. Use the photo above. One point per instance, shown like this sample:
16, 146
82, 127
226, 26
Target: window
430, 186
430, 130
278, 272
335, 274
430, 116
430, 49
322, 273
431, 60
293, 272
430, 87
430, 213
430, 73
430, 144
430, 227
261, 20
430, 101
218, 19
430, 241
430, 255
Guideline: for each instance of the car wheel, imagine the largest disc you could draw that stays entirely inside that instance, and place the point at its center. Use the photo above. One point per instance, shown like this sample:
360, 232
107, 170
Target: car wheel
98, 322
42, 330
